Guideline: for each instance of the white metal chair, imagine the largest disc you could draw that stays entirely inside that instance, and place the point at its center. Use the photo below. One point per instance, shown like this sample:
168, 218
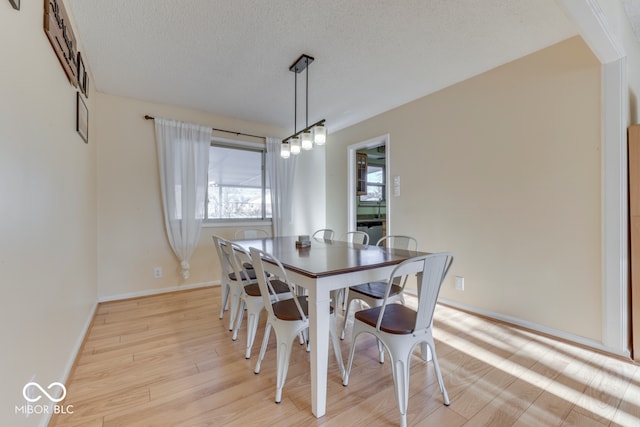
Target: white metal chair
372, 293
226, 270
250, 297
359, 237
324, 234
250, 233
407, 243
287, 317
233, 283
400, 329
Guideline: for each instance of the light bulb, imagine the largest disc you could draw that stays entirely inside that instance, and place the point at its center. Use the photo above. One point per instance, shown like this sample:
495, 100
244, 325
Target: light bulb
320, 135
285, 151
307, 141
295, 145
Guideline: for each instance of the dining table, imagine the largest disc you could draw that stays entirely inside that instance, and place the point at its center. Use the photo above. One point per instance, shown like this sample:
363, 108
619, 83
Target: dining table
322, 267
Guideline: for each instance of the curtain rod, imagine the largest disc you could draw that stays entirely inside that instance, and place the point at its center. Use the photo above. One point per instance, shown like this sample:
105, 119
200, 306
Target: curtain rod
148, 117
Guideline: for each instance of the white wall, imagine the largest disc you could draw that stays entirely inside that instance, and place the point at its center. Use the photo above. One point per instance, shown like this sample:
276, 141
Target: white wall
310, 192
48, 264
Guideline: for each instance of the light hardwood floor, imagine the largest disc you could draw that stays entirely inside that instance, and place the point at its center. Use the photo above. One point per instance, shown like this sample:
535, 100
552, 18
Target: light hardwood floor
168, 360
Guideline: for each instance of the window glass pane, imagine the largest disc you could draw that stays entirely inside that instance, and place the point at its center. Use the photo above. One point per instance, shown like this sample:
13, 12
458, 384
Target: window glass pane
375, 175
267, 203
374, 193
375, 184
235, 184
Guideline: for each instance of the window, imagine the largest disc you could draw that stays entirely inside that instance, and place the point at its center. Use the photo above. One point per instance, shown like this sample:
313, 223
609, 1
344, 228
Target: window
375, 184
238, 187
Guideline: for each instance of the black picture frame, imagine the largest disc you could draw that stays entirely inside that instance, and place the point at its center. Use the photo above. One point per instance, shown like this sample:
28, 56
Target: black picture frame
83, 79
15, 4
82, 118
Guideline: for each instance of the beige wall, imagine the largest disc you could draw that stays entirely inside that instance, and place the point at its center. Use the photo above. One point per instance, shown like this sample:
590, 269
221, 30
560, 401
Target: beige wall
132, 239
487, 166
503, 170
47, 212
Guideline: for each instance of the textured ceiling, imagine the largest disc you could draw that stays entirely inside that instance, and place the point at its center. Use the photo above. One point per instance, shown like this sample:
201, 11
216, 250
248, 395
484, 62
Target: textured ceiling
232, 57
632, 9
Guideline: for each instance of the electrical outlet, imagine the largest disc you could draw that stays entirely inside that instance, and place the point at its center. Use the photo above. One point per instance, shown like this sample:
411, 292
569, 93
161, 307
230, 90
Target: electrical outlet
460, 283
157, 272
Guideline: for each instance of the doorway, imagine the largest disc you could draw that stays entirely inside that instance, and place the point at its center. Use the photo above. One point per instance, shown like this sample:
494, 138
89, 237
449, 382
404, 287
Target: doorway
369, 207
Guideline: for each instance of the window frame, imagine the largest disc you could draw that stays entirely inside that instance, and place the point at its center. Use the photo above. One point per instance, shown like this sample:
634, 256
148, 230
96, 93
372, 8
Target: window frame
247, 146
382, 185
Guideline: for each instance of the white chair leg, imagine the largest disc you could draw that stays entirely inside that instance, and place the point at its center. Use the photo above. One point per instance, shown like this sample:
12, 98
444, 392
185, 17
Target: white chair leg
263, 349
252, 328
347, 371
238, 322
336, 342
400, 370
304, 339
436, 367
235, 303
346, 318
225, 300
283, 354
380, 352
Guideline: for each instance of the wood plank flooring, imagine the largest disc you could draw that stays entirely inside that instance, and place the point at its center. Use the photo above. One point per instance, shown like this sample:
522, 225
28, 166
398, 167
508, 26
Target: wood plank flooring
167, 360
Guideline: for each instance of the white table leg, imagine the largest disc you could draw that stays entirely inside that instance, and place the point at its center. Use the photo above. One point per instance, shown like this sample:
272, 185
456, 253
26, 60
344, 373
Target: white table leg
319, 335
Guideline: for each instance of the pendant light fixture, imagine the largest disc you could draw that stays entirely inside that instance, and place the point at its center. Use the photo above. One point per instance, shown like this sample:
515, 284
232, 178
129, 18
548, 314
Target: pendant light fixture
317, 132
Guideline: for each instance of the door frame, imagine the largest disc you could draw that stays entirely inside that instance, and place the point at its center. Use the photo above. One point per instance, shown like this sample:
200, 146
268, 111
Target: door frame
352, 210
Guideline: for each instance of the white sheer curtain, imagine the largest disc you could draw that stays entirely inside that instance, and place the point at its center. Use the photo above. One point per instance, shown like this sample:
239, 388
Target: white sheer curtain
281, 173
183, 158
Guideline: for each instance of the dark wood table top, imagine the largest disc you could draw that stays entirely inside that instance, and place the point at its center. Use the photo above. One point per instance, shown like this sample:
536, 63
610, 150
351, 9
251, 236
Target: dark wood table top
327, 258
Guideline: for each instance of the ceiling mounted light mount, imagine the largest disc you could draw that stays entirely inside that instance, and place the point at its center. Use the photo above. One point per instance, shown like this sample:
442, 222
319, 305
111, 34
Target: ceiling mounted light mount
317, 132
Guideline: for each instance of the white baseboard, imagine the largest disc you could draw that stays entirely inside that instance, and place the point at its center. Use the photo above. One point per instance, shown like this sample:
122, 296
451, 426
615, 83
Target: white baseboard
158, 291
72, 359
587, 342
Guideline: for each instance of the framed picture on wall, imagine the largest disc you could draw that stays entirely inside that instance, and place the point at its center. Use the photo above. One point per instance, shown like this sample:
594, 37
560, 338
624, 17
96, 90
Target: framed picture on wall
83, 80
82, 118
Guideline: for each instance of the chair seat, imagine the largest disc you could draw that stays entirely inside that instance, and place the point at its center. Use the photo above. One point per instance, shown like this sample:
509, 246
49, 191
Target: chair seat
287, 310
375, 290
251, 273
397, 320
278, 286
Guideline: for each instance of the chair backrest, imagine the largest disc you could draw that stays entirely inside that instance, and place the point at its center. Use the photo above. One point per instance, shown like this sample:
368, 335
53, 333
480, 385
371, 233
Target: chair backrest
359, 237
399, 242
406, 243
267, 265
324, 233
434, 268
225, 266
230, 252
250, 234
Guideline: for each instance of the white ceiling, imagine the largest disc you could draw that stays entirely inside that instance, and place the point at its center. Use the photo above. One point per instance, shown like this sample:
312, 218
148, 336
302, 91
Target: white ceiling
232, 57
632, 9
